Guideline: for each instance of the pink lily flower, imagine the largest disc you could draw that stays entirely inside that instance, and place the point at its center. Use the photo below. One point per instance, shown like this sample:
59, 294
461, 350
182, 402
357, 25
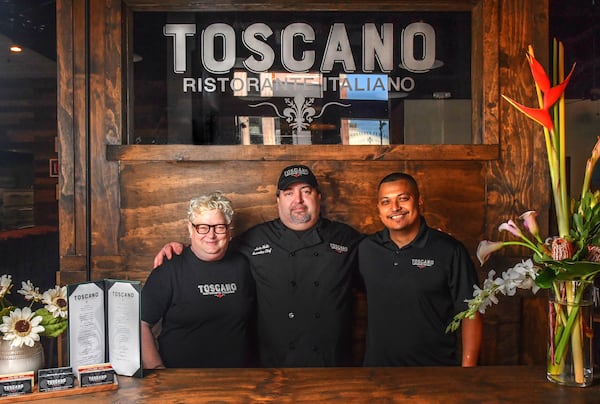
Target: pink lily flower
530, 223
512, 228
486, 248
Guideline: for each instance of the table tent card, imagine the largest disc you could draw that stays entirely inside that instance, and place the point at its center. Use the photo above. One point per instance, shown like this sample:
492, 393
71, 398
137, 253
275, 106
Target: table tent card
104, 325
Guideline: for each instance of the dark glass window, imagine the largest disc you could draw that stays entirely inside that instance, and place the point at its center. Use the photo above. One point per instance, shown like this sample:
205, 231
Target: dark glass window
211, 78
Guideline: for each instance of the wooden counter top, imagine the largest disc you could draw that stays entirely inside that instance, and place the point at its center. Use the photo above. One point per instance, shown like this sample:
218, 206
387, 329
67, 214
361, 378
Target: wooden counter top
488, 384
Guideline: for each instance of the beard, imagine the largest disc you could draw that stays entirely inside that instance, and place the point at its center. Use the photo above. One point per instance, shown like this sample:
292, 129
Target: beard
300, 218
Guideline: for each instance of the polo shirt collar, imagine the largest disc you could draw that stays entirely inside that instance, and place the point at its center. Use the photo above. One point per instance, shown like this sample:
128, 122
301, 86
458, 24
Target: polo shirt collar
419, 241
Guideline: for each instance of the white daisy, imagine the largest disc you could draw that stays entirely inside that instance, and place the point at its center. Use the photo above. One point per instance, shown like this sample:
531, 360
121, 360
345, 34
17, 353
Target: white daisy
5, 284
55, 301
21, 327
30, 292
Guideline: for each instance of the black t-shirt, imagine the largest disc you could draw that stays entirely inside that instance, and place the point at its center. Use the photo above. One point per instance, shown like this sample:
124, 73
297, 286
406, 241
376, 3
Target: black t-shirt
412, 295
303, 286
205, 309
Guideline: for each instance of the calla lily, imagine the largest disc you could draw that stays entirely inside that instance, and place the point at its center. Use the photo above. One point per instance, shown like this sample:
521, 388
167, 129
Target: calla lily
530, 223
511, 227
486, 248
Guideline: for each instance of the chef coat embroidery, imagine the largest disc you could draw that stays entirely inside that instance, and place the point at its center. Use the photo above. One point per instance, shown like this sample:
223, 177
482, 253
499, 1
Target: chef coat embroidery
263, 249
422, 262
338, 248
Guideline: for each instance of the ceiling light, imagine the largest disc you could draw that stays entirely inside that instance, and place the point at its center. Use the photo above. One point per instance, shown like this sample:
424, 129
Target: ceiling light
16, 49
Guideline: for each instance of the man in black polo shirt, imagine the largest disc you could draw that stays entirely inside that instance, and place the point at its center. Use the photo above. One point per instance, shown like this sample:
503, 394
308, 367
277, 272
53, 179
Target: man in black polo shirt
303, 266
416, 280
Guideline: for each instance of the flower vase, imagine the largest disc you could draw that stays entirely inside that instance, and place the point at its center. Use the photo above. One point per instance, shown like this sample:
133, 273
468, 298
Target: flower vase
570, 310
20, 359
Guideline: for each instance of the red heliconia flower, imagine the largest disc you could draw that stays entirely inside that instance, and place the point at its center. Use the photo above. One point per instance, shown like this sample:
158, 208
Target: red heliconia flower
562, 249
541, 116
551, 94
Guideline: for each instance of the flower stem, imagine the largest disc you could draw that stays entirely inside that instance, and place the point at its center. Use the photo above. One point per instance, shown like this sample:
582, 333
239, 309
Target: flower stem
563, 227
572, 333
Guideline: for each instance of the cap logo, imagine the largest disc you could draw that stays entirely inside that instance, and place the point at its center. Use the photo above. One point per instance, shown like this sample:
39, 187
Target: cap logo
295, 172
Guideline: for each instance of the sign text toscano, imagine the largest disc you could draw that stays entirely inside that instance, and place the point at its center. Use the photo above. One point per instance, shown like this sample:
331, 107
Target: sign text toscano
377, 47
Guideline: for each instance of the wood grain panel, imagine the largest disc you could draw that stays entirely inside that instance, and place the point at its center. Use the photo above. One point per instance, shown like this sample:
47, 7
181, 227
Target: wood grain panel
453, 193
489, 98
64, 119
517, 182
106, 121
511, 185
175, 152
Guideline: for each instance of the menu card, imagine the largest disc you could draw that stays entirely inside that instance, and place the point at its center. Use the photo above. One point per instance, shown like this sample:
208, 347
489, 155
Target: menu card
104, 325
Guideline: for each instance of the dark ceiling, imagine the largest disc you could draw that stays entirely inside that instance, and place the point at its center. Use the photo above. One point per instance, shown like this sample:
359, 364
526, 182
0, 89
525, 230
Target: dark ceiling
32, 23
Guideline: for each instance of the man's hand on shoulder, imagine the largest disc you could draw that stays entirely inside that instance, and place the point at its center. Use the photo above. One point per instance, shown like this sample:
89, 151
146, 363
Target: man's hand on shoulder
167, 251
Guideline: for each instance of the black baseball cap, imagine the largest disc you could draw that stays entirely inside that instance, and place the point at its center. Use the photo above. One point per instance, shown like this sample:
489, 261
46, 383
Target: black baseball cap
296, 173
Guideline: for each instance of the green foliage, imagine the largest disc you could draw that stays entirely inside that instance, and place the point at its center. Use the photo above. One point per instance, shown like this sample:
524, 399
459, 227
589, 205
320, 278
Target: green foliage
53, 326
5, 311
585, 228
565, 270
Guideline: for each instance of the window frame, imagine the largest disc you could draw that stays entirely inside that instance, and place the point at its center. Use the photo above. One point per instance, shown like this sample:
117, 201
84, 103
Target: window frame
484, 89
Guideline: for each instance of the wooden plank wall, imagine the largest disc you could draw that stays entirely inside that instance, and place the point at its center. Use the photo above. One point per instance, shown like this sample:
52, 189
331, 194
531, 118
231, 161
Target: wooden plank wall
137, 195
28, 125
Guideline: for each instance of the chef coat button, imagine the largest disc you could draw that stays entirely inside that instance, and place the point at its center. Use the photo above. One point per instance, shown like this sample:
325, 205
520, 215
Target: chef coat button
292, 254
316, 254
396, 264
316, 283
292, 346
293, 283
317, 315
291, 314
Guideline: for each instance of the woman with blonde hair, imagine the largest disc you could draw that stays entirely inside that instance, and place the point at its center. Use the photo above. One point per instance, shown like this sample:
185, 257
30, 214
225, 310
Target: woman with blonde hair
204, 298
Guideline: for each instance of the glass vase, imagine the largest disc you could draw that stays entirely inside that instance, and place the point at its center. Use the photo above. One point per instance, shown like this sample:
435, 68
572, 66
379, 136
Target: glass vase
570, 309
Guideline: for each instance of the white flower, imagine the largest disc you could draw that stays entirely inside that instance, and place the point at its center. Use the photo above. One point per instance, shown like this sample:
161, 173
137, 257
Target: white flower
508, 283
481, 299
489, 282
21, 327
521, 276
528, 273
5, 284
55, 301
30, 292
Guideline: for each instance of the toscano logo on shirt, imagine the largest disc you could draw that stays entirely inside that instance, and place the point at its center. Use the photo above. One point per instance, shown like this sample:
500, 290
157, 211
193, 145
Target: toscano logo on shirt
422, 262
217, 289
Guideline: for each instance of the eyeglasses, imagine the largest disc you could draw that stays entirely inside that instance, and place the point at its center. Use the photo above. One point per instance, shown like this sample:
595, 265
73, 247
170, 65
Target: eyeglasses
205, 228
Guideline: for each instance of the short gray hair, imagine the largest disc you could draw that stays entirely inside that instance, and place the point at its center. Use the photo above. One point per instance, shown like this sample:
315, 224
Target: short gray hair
214, 200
